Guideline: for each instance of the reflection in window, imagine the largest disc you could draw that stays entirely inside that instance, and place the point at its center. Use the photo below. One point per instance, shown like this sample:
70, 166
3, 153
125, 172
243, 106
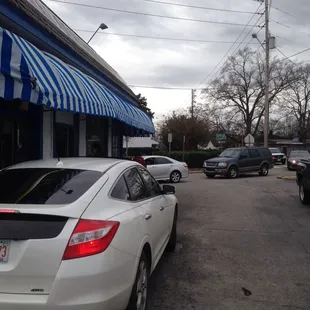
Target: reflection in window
135, 184
45, 185
120, 190
151, 184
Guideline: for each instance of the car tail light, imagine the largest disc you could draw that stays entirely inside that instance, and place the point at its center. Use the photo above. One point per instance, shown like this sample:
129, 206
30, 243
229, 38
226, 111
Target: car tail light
185, 165
272, 157
90, 237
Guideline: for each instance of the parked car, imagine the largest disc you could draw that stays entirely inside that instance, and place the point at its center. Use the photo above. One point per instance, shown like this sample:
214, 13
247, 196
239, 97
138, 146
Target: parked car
83, 233
278, 156
303, 181
295, 157
235, 161
166, 169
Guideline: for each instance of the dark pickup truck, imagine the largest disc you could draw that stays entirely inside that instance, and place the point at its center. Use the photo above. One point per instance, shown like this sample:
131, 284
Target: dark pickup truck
303, 181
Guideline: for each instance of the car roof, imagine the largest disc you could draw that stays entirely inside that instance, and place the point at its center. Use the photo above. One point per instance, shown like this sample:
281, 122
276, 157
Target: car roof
84, 163
157, 156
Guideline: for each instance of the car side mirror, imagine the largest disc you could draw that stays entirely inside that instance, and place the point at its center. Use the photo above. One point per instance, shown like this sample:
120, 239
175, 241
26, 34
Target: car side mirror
168, 190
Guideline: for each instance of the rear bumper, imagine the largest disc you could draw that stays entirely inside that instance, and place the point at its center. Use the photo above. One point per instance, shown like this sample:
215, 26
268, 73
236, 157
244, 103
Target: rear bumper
101, 281
185, 174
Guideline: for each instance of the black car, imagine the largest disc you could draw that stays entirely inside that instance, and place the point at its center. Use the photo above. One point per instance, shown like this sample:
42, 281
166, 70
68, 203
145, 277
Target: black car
295, 157
235, 161
303, 181
277, 156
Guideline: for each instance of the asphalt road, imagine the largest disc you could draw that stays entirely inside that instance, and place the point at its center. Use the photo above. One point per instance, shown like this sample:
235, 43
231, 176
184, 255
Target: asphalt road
250, 233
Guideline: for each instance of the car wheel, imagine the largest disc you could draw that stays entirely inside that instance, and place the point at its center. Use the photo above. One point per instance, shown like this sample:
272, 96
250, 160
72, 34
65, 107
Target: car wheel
304, 195
210, 176
264, 170
173, 235
175, 176
138, 298
232, 172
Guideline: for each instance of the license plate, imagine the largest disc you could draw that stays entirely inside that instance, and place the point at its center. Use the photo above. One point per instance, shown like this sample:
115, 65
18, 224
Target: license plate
4, 251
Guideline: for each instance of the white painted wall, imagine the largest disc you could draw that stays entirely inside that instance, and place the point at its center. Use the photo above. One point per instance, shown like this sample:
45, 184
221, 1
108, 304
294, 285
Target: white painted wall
82, 135
139, 142
47, 133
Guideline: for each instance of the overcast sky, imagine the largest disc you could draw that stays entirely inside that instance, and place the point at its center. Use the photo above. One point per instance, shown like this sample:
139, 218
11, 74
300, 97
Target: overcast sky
166, 63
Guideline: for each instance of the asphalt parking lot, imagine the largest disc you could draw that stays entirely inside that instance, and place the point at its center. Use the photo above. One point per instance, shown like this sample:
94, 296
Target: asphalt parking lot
250, 233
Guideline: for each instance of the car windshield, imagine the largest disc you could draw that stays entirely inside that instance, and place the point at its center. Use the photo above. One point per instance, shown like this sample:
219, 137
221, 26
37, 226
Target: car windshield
300, 154
45, 185
230, 153
274, 150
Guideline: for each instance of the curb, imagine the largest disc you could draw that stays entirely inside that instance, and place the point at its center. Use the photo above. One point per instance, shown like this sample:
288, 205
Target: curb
287, 177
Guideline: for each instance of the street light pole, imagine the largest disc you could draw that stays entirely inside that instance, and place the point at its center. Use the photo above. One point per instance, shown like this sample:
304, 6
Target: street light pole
267, 50
101, 26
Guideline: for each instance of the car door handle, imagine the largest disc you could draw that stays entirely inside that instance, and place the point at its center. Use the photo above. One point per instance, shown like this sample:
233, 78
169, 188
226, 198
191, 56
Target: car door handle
162, 208
147, 216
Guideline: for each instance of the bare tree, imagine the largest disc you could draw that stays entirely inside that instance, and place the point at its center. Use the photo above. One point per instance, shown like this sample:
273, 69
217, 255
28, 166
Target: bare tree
239, 90
295, 100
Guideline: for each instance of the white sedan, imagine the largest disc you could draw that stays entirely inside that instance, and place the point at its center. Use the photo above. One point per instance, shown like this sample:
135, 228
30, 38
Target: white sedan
165, 168
82, 234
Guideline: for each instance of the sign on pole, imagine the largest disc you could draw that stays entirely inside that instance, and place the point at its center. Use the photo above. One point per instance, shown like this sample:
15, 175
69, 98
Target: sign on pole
220, 137
169, 137
169, 141
249, 140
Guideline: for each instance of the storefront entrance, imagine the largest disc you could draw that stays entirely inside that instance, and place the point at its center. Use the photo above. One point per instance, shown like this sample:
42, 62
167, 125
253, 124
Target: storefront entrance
97, 136
20, 133
66, 137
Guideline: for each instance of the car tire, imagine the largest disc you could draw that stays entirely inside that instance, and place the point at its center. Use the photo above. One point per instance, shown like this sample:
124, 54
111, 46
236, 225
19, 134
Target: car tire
173, 235
264, 170
304, 195
138, 297
233, 172
175, 176
210, 176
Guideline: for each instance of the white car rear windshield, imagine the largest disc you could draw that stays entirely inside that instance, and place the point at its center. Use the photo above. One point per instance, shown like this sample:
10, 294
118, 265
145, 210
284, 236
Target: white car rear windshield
45, 185
274, 150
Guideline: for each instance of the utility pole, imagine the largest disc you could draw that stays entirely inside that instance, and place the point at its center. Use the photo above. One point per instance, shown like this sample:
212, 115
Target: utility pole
192, 104
266, 121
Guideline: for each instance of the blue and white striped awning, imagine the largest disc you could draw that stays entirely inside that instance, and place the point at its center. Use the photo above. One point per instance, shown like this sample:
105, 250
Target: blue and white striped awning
32, 75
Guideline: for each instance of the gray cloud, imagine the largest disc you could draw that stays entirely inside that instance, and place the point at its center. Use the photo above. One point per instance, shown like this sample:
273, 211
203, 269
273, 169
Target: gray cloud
170, 63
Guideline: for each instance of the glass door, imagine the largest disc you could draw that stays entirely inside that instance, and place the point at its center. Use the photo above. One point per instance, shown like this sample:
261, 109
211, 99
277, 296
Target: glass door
13, 143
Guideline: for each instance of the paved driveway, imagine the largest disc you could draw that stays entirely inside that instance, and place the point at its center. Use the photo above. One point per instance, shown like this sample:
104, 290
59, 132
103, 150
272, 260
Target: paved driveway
250, 233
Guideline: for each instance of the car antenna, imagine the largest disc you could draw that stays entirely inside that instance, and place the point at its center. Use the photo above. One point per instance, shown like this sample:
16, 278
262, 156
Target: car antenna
59, 163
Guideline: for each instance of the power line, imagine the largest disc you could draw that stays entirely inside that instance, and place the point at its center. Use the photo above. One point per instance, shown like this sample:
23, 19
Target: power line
149, 14
157, 38
208, 77
284, 12
204, 82
199, 7
289, 57
164, 87
301, 52
290, 27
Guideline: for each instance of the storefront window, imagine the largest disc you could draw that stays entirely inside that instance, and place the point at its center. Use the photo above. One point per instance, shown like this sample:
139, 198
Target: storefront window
20, 132
66, 134
96, 136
